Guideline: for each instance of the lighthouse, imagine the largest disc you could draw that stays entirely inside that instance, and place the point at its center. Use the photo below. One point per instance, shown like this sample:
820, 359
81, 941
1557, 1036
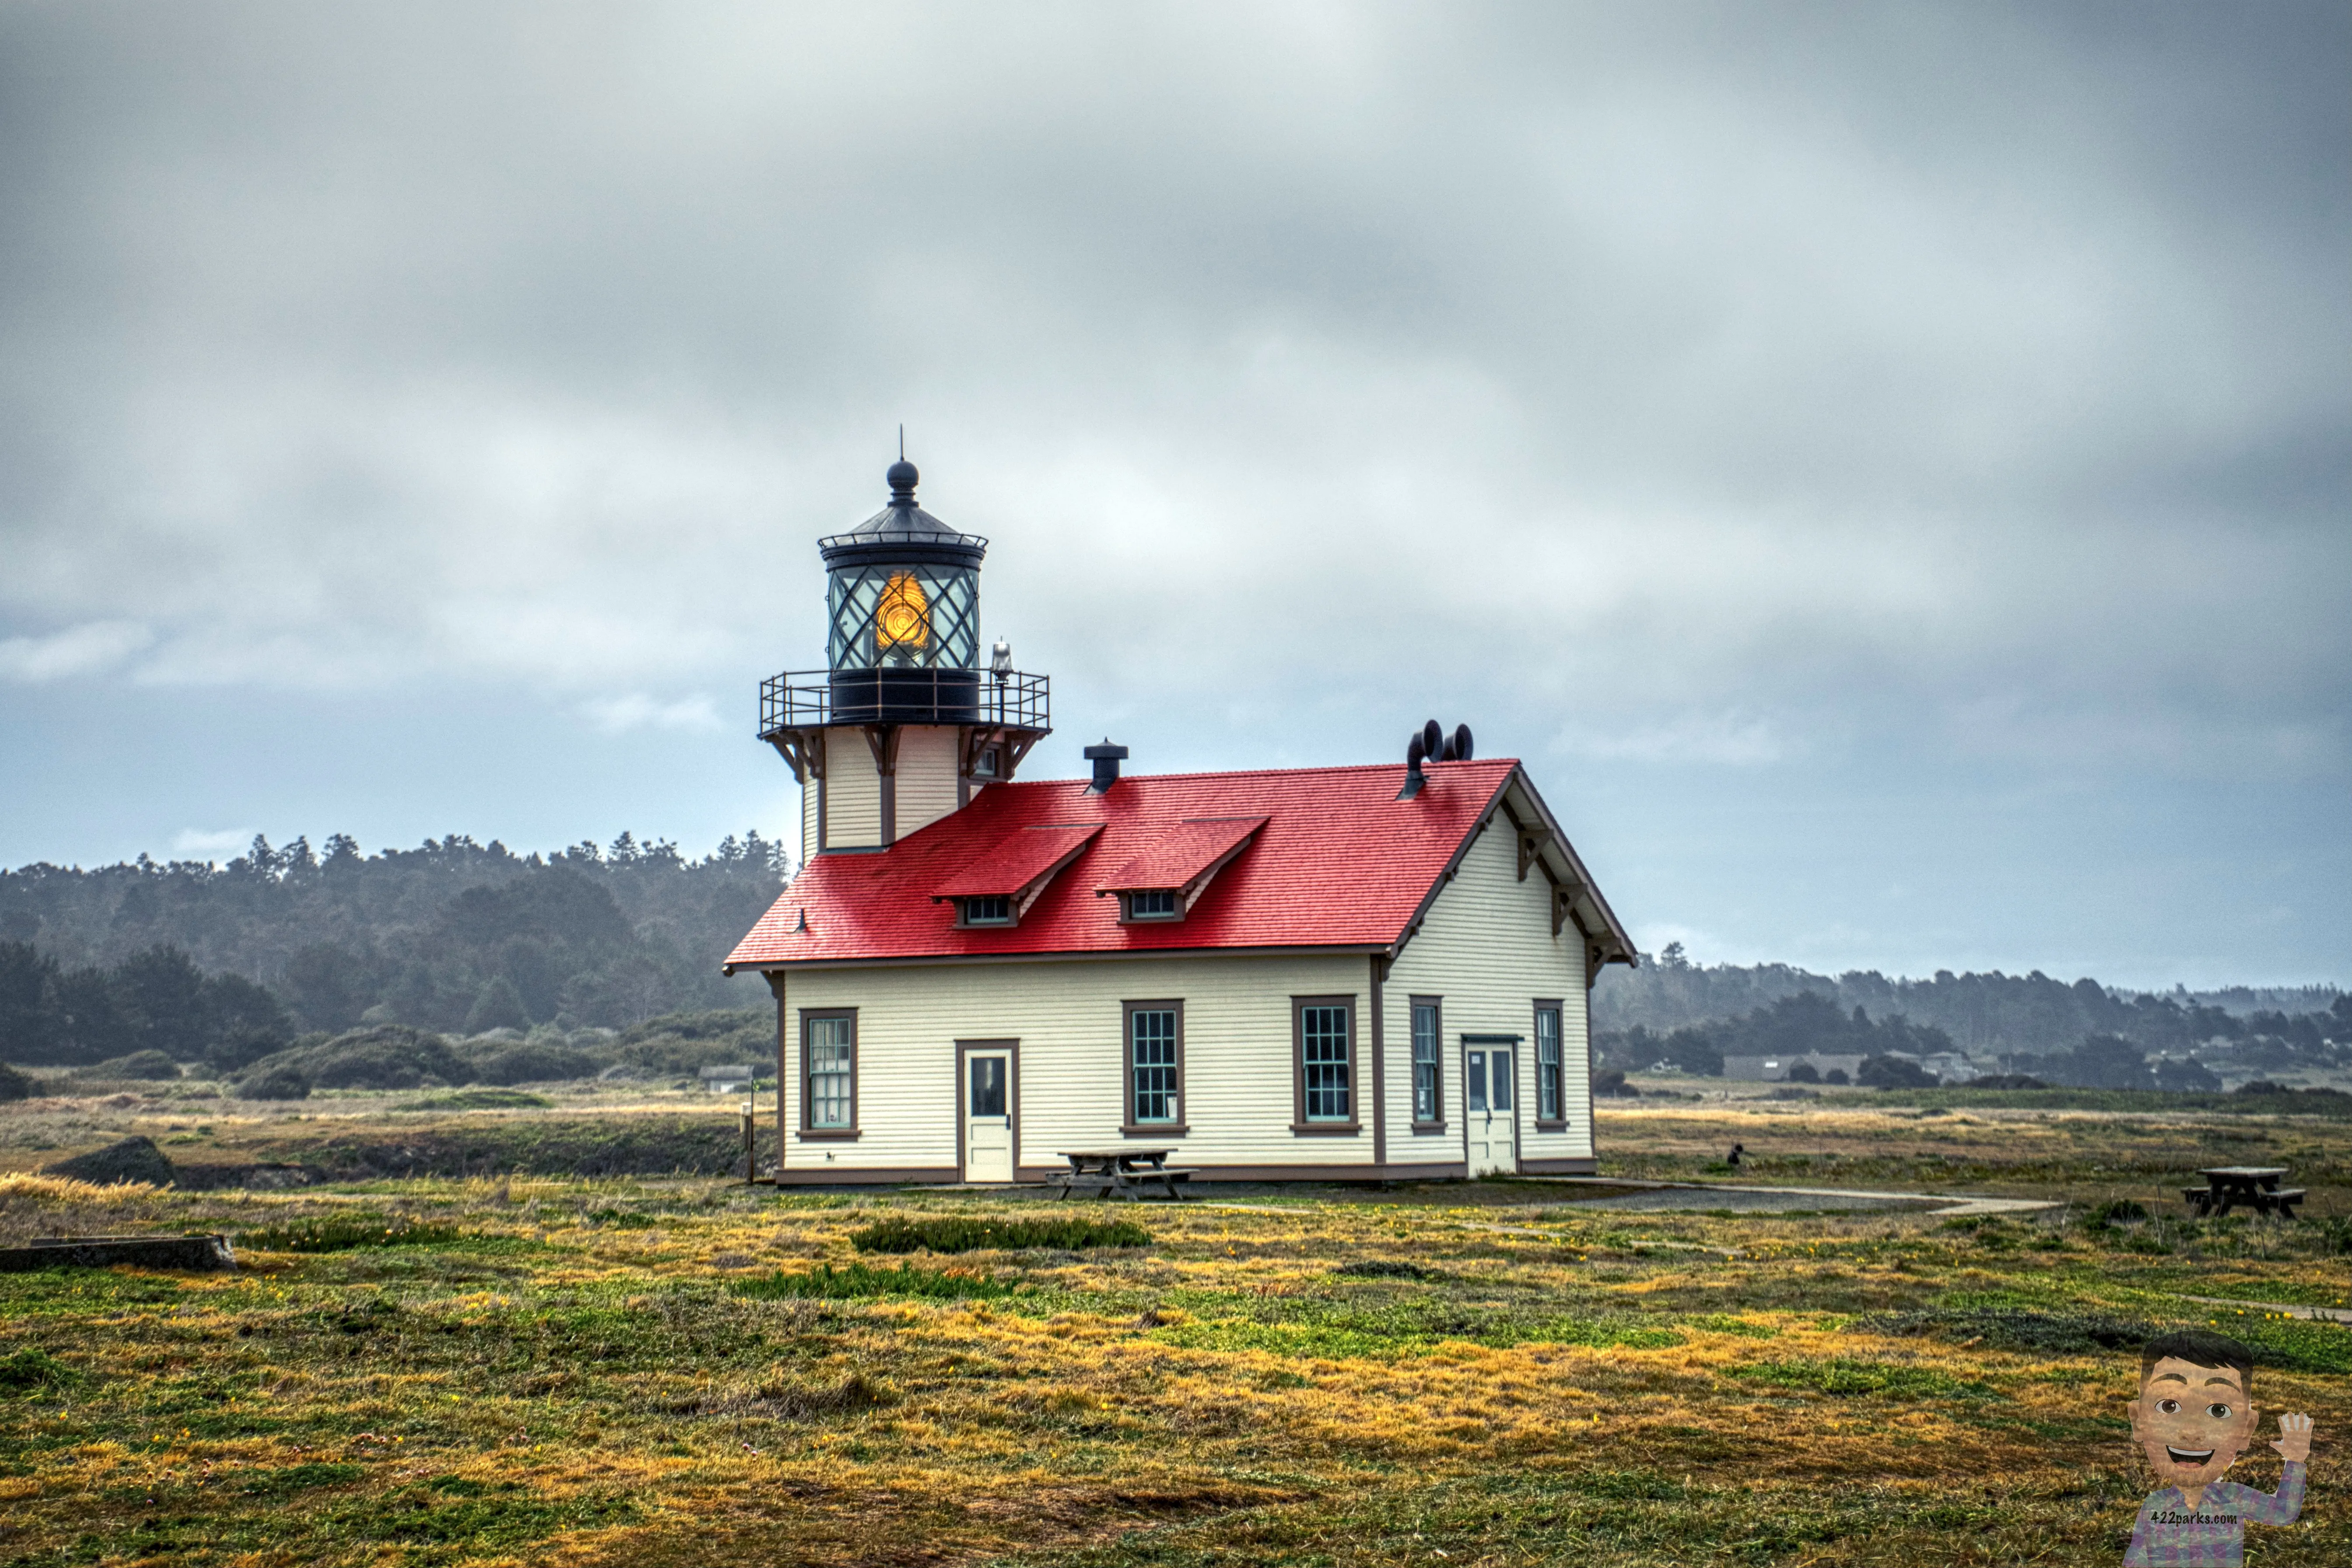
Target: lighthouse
903, 725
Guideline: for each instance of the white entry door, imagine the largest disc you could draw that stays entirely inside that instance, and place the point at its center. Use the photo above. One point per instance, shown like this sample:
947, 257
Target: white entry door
1488, 1120
988, 1116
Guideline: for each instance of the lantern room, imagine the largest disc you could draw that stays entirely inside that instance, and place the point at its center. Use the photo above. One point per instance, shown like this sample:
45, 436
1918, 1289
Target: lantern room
903, 724
902, 589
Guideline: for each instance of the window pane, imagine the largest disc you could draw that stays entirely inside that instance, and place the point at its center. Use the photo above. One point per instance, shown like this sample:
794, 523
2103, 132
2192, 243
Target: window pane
1323, 1045
1501, 1084
1477, 1080
1425, 1063
829, 1060
1158, 903
1151, 1040
988, 1086
1548, 1093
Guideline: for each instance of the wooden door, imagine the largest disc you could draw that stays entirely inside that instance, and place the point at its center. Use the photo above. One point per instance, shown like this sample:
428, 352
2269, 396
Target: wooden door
988, 1116
1489, 1118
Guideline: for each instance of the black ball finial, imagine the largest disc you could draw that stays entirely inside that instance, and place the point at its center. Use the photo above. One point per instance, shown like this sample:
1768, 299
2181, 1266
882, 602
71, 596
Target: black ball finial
902, 476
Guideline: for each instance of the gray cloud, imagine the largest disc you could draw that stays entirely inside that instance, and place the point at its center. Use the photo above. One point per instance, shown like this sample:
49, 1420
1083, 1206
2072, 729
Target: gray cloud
1706, 387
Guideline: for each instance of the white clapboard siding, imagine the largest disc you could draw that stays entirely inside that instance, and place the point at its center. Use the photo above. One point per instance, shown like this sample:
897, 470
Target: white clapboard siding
929, 756
1487, 949
1068, 1016
809, 808
853, 793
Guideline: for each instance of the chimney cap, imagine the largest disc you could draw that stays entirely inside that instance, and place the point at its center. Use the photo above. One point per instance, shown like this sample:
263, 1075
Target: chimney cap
1106, 759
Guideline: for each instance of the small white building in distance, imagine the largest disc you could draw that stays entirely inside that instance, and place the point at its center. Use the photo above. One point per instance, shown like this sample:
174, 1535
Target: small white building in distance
1373, 973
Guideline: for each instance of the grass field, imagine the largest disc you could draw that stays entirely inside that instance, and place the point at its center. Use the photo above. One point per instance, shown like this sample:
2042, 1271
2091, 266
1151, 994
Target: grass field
646, 1370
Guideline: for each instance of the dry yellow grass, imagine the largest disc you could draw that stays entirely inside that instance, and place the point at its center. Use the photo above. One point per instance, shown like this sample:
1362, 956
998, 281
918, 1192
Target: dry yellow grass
572, 1371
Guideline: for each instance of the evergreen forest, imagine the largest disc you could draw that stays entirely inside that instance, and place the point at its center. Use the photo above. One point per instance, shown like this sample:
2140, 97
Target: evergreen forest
227, 962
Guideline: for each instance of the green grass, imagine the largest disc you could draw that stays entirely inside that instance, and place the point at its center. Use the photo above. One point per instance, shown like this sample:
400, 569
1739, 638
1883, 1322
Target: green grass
859, 1281
346, 1234
34, 1371
962, 1235
1843, 1376
479, 1100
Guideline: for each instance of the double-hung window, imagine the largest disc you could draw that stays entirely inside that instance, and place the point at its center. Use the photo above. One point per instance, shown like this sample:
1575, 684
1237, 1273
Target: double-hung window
1427, 1108
1547, 1063
1324, 1028
1155, 1065
829, 1072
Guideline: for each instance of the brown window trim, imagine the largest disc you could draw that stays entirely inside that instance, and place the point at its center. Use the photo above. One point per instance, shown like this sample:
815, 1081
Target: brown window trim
856, 1056
1127, 917
1129, 1127
1413, 1005
1299, 1126
1560, 1012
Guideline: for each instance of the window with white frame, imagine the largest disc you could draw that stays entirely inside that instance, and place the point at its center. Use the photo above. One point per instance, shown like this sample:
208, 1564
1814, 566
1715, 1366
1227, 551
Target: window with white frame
1325, 1062
829, 1088
1424, 1060
1151, 1045
1547, 1073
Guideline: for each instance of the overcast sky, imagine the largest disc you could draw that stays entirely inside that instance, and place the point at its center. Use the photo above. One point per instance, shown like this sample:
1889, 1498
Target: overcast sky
1887, 469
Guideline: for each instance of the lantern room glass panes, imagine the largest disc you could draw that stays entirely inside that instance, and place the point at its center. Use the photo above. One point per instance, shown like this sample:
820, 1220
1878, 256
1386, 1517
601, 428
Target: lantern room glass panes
1323, 1047
831, 1044
1151, 1039
903, 617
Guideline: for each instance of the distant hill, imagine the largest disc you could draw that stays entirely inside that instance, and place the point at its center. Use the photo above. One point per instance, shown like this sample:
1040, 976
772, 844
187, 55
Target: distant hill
2019, 1018
453, 935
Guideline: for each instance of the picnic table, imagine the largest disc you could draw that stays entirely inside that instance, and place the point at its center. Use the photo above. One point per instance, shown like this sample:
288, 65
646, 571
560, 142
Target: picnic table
1105, 1172
2244, 1186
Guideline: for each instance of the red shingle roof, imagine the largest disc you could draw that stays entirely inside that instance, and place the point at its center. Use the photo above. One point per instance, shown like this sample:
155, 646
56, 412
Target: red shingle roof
1339, 862
1181, 853
1018, 859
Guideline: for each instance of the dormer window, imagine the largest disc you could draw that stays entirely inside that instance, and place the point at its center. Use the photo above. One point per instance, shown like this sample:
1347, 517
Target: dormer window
1168, 873
998, 889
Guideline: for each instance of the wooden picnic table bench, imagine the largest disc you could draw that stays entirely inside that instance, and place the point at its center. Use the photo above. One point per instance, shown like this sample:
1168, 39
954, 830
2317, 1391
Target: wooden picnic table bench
1104, 1171
2244, 1186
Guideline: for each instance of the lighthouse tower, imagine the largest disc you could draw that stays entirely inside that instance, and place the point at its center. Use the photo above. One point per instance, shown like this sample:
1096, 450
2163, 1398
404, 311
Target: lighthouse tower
903, 724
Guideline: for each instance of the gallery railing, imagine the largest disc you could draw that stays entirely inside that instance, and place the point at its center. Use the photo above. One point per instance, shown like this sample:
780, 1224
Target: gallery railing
809, 699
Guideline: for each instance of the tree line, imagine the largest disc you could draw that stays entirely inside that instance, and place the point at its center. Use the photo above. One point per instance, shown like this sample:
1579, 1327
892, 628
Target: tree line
216, 962
1690, 1016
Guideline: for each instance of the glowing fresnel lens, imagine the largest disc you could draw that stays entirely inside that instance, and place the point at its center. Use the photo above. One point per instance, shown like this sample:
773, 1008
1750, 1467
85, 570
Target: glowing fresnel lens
903, 616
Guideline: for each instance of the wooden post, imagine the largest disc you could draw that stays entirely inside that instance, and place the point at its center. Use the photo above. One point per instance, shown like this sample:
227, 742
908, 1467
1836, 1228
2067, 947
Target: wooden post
750, 1148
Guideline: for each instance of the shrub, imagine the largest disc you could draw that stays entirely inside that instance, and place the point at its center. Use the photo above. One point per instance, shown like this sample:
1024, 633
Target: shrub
143, 1066
959, 1235
349, 1233
799, 1401
32, 1370
1387, 1269
1894, 1072
2122, 1211
478, 1100
1611, 1085
14, 1085
388, 1055
1836, 1076
133, 1159
531, 1062
860, 1282
273, 1083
